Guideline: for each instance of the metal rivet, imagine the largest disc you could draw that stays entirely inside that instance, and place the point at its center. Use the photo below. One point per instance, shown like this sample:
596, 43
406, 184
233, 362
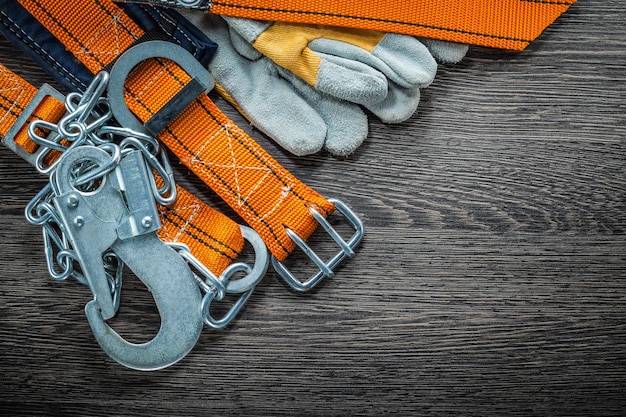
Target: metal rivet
146, 221
79, 221
72, 201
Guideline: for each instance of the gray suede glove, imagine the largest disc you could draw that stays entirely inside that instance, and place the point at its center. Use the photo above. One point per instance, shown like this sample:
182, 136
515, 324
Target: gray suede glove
299, 118
383, 72
307, 96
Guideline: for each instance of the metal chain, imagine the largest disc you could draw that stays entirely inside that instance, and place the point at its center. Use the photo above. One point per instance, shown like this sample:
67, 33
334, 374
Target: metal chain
89, 121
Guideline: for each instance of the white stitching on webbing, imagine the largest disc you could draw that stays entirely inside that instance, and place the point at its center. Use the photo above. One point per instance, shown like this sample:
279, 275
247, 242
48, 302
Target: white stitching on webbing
164, 210
227, 129
5, 73
230, 130
111, 28
86, 49
27, 39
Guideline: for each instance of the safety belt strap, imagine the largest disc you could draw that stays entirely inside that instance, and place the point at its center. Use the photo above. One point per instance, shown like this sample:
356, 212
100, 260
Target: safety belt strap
214, 239
25, 32
507, 24
261, 191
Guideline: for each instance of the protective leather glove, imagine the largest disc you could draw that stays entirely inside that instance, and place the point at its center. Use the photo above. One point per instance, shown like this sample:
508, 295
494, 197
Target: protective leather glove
381, 71
299, 118
445, 52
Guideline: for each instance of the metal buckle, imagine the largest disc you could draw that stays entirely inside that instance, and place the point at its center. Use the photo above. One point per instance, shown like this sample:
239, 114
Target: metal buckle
326, 269
46, 90
201, 81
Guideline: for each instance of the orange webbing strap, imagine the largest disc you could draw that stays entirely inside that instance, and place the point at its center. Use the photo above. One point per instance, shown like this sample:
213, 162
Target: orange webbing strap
213, 238
508, 24
261, 191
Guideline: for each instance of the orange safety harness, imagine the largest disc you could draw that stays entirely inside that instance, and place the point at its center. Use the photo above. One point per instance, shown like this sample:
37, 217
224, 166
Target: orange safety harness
212, 237
282, 210
507, 24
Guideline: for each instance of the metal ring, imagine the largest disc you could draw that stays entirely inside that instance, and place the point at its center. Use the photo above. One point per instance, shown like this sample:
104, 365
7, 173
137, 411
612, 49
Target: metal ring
254, 274
138, 53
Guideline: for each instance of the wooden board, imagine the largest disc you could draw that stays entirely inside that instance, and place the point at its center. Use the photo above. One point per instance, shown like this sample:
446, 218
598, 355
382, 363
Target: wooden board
491, 281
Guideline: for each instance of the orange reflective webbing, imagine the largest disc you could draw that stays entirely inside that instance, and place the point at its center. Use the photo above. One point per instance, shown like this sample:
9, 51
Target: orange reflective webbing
213, 238
508, 24
261, 191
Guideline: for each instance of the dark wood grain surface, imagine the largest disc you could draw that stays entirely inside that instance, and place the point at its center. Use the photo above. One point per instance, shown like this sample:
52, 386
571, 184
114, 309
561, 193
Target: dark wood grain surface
491, 281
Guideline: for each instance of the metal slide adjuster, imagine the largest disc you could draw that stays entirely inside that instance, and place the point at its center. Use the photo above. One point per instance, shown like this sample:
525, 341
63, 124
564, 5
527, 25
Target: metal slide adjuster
8, 140
326, 269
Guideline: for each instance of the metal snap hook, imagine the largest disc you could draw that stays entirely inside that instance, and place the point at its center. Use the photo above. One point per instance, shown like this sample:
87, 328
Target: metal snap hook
108, 218
177, 298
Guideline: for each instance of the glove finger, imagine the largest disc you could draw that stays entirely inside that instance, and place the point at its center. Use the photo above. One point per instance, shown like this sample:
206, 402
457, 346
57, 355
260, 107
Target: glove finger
401, 59
446, 52
257, 91
346, 132
350, 80
346, 123
399, 105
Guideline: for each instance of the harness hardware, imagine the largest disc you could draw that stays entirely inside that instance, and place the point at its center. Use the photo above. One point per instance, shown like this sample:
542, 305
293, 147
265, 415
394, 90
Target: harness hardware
326, 269
98, 213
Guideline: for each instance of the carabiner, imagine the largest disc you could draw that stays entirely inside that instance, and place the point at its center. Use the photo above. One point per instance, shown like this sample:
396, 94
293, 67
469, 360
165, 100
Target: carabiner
105, 218
171, 283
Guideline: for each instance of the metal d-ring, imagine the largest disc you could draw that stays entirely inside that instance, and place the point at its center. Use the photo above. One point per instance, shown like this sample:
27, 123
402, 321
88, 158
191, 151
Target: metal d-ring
243, 286
201, 81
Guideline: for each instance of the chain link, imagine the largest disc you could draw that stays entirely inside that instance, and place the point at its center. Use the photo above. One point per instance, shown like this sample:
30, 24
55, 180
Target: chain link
214, 287
89, 121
